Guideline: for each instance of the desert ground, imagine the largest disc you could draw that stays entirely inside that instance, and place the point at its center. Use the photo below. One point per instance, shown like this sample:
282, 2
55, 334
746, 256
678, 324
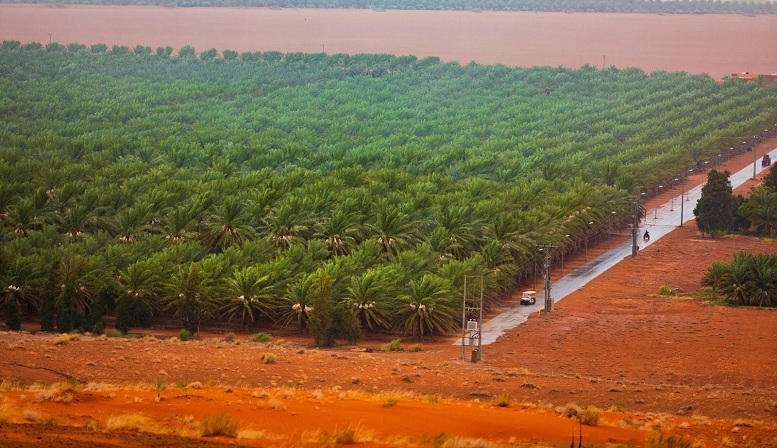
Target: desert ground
652, 363
715, 44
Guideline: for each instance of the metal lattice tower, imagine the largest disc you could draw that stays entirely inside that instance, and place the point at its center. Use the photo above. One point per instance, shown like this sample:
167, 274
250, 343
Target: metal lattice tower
472, 316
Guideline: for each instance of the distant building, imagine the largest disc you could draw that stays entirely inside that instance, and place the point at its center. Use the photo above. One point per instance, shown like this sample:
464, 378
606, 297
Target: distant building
747, 76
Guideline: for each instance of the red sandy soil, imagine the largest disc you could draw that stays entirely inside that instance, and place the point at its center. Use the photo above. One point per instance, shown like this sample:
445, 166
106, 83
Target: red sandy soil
654, 363
715, 44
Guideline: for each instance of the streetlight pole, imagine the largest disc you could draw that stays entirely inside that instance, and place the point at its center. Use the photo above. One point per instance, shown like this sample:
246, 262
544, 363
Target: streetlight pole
755, 158
681, 199
636, 202
585, 239
655, 216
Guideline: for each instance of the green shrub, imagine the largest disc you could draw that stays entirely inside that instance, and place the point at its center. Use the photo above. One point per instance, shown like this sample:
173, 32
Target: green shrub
393, 346
99, 327
261, 337
185, 335
220, 425
665, 291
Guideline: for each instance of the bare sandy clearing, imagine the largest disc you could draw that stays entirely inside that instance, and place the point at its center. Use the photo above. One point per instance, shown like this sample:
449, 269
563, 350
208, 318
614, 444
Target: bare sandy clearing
715, 44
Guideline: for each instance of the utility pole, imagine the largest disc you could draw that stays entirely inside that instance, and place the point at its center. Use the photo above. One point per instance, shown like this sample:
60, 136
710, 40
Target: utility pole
548, 301
636, 203
681, 199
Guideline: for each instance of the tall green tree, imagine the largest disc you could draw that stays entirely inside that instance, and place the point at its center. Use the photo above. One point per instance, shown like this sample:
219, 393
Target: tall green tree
715, 211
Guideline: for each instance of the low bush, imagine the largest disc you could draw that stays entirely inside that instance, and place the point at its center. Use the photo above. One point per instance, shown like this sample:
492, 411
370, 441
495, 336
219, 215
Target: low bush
185, 335
221, 425
590, 416
268, 358
571, 410
261, 337
393, 346
114, 334
229, 337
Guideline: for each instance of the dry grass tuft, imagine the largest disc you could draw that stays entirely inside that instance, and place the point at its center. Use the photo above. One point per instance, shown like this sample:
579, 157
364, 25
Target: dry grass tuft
10, 386
503, 400
65, 339
31, 415
351, 435
127, 422
590, 416
221, 425
254, 434
9, 412
571, 410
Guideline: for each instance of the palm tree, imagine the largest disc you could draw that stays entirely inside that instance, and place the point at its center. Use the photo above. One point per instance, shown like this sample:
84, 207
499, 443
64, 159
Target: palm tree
735, 288
20, 282
426, 308
339, 232
459, 223
79, 280
393, 229
762, 285
440, 240
189, 296
77, 220
250, 294
366, 299
178, 225
286, 226
133, 222
140, 286
716, 275
296, 303
22, 218
761, 210
228, 227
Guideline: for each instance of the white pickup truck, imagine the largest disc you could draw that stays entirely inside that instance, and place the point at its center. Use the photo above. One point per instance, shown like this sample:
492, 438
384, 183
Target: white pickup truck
529, 298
